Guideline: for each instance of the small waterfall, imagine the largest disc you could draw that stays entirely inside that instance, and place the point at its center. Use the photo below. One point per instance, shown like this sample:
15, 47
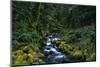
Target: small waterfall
53, 54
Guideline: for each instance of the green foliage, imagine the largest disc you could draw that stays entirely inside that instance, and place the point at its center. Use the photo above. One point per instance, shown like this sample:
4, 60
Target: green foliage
79, 43
26, 36
31, 22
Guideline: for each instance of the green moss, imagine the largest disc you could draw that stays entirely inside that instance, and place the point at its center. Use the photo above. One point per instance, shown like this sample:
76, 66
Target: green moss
65, 47
77, 54
92, 57
22, 58
19, 60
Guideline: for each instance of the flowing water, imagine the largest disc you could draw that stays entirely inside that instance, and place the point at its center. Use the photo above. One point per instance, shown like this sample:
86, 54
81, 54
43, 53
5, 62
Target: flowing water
52, 52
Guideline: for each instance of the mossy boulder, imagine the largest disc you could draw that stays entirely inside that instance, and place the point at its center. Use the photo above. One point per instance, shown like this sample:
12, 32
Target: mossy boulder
65, 47
77, 54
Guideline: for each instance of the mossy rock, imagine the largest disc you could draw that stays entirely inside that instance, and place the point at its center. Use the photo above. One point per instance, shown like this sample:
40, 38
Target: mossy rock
92, 57
57, 42
19, 60
77, 54
30, 58
41, 55
65, 47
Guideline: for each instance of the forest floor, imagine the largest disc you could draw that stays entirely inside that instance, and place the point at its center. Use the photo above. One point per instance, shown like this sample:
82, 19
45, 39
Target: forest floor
78, 45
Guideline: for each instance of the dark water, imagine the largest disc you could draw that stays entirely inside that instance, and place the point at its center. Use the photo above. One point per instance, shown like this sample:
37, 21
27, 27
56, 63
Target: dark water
52, 52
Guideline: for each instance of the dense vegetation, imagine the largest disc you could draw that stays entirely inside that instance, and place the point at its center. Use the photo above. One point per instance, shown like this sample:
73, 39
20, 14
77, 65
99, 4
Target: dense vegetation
31, 22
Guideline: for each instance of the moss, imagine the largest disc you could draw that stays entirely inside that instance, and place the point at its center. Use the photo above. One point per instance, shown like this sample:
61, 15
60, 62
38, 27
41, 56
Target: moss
19, 60
77, 54
21, 57
92, 57
30, 58
65, 47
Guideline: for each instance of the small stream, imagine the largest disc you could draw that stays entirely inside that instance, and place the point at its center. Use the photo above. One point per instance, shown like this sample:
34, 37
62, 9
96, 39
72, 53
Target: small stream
52, 52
